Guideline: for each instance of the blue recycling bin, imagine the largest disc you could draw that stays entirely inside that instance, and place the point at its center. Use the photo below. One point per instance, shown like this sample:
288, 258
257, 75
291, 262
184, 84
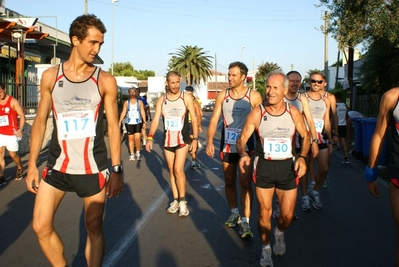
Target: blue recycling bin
357, 122
368, 131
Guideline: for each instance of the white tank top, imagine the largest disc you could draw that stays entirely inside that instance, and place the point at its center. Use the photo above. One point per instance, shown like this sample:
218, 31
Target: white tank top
275, 134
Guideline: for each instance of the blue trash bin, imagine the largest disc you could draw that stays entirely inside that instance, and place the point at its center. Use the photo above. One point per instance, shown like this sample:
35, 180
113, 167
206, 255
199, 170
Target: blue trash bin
358, 135
369, 126
368, 131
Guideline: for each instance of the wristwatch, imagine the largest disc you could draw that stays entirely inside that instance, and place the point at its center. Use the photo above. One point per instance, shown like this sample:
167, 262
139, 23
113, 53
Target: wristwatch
117, 169
315, 141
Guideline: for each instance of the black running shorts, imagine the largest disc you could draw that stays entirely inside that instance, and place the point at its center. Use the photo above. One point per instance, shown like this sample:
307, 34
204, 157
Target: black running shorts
84, 185
274, 173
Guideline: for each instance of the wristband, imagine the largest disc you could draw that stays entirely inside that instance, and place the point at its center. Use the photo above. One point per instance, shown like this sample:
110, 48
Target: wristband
370, 174
150, 136
244, 154
329, 143
301, 156
150, 139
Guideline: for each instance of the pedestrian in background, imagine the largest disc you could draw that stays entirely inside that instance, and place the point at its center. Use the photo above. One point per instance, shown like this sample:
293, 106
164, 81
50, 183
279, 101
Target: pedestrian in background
174, 107
10, 132
342, 114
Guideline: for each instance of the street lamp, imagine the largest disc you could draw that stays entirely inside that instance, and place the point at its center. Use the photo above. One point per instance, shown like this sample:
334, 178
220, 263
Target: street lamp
113, 33
242, 53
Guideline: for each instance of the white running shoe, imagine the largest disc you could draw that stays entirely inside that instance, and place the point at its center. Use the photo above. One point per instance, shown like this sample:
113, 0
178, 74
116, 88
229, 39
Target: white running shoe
138, 156
266, 258
173, 207
279, 245
132, 157
183, 210
315, 198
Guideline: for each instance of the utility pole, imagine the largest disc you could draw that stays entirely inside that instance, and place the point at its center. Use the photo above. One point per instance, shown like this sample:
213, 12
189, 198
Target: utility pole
326, 74
86, 6
216, 75
254, 76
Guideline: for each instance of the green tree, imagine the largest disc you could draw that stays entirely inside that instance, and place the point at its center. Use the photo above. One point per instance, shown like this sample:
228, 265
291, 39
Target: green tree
127, 69
123, 69
349, 23
192, 63
263, 70
380, 68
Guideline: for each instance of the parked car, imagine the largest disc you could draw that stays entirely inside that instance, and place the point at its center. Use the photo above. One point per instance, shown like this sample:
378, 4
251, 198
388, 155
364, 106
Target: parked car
209, 107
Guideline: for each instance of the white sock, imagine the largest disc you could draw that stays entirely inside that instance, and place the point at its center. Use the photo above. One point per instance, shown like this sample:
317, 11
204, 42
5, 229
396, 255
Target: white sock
265, 247
277, 231
245, 219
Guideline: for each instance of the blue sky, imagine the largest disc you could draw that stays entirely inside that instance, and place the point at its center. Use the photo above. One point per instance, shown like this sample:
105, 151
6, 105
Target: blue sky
146, 31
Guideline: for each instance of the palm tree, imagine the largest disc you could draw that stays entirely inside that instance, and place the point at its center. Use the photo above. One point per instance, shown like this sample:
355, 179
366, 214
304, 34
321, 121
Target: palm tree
192, 63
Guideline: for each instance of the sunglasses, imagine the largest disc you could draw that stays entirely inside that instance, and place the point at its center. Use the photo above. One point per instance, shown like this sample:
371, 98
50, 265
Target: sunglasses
316, 81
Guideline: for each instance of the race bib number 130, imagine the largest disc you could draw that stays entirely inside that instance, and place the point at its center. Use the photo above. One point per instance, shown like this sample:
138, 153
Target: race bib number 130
76, 124
277, 148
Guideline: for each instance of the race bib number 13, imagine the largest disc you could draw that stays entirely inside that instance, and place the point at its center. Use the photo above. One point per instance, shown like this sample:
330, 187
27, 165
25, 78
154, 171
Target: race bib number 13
76, 124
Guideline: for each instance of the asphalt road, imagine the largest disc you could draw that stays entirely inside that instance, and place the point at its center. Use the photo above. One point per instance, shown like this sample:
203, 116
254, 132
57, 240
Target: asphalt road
353, 229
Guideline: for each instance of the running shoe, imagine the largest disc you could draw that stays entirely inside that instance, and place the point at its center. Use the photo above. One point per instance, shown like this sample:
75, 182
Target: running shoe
311, 186
279, 245
306, 204
266, 258
346, 160
138, 156
194, 165
325, 183
276, 212
233, 220
19, 175
144, 142
173, 207
245, 230
183, 210
315, 198
3, 180
132, 157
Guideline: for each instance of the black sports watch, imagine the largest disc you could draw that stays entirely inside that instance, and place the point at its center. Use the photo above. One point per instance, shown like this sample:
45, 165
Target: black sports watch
117, 169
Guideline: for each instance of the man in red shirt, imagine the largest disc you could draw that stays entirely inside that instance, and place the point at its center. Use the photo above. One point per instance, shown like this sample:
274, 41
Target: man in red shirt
10, 131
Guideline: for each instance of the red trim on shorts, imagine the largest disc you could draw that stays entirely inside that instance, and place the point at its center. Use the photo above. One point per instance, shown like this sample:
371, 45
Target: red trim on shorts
86, 156
101, 180
395, 182
65, 162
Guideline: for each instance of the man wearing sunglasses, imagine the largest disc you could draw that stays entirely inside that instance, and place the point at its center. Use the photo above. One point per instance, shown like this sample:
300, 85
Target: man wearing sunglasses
300, 102
320, 109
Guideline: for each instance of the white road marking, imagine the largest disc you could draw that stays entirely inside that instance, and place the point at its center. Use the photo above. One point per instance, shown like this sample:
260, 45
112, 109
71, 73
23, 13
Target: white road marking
112, 258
